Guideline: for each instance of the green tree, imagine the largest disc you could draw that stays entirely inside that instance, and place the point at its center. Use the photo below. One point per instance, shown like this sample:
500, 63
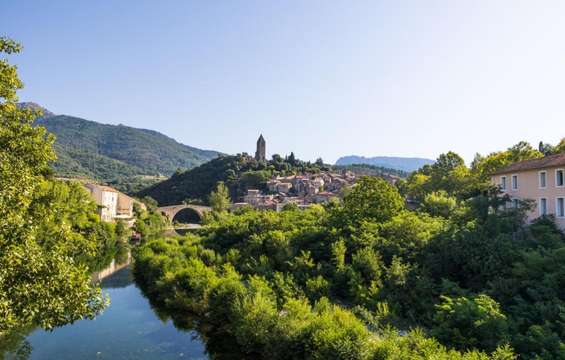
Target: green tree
484, 166
292, 159
560, 147
40, 284
220, 198
469, 323
438, 203
371, 199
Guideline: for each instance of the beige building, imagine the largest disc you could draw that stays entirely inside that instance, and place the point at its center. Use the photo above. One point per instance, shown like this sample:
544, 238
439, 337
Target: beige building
114, 205
278, 186
540, 180
124, 209
252, 197
283, 187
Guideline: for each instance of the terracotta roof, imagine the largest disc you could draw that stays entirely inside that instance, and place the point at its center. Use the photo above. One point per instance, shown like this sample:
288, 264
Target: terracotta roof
539, 163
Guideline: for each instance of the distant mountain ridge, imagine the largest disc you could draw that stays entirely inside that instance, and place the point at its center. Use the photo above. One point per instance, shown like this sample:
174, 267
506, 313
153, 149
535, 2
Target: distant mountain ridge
394, 162
107, 152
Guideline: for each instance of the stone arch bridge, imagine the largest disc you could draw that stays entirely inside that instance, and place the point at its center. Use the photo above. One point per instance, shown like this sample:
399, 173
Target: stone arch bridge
172, 210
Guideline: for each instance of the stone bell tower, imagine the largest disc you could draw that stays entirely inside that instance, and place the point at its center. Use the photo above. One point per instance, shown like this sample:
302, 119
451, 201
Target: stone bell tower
261, 149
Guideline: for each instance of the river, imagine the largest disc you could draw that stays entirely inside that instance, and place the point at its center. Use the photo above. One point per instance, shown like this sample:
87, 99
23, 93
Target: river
128, 329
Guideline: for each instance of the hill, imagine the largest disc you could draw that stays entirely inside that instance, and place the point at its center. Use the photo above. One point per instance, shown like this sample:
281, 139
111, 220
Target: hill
100, 148
239, 173
392, 162
371, 170
242, 172
115, 153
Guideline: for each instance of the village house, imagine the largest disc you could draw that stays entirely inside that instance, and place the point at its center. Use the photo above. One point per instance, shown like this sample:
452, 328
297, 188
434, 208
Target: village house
113, 205
541, 180
277, 186
252, 197
318, 183
124, 209
106, 198
336, 184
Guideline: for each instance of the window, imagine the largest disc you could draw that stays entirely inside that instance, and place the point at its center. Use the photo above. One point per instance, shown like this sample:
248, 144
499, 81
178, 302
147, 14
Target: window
560, 207
542, 206
515, 203
542, 179
503, 182
559, 177
514, 182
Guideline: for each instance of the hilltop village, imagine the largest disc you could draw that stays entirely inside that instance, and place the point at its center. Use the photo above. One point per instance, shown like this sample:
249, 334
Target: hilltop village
301, 190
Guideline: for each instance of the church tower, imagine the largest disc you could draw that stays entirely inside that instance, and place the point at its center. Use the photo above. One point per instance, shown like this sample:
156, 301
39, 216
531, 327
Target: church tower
261, 149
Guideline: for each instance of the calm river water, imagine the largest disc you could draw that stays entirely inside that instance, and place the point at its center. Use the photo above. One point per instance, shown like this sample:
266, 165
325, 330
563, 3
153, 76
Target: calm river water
127, 329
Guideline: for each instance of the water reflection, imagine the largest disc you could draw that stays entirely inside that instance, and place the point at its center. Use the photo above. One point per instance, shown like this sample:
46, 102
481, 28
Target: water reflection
128, 329
220, 344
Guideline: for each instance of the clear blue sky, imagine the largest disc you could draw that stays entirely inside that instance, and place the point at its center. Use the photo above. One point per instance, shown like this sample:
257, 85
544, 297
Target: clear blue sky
320, 78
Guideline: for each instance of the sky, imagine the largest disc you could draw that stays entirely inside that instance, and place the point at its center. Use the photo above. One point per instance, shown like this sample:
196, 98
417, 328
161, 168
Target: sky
319, 78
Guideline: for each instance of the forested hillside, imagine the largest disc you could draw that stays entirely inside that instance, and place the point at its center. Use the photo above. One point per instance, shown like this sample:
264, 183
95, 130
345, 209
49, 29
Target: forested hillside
125, 157
238, 172
122, 150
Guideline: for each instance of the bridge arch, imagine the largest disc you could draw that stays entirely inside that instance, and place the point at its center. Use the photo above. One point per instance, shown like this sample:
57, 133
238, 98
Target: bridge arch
187, 216
172, 210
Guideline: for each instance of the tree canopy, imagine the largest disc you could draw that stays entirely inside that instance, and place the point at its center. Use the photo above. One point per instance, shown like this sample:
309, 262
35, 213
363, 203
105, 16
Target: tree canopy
50, 234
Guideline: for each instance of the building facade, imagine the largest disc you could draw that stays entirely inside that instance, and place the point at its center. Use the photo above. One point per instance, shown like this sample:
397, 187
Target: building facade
540, 180
113, 205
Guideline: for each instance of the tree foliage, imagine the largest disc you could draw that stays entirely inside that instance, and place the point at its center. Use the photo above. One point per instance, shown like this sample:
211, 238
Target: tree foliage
50, 235
220, 199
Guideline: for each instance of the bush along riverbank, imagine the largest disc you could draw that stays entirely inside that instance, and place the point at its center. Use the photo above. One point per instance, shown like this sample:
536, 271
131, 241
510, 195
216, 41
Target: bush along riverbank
338, 282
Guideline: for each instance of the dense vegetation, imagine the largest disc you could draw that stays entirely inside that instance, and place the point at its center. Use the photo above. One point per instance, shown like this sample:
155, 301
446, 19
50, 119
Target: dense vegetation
389, 162
148, 222
128, 157
51, 237
460, 275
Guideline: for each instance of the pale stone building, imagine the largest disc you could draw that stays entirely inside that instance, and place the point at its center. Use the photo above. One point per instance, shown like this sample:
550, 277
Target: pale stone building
252, 197
124, 208
113, 205
278, 186
283, 187
106, 198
